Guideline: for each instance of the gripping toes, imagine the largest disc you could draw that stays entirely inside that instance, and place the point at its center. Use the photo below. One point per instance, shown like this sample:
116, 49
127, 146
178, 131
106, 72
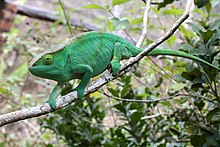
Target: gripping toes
52, 103
115, 67
80, 93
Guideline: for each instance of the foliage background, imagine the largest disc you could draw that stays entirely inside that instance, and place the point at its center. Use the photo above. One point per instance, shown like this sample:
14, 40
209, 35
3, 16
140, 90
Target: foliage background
189, 118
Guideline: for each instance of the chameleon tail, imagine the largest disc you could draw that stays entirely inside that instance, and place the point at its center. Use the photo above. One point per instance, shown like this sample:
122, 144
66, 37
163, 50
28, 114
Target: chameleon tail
135, 51
180, 54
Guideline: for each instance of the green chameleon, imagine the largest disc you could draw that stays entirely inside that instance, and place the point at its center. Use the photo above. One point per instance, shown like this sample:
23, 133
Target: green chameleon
88, 55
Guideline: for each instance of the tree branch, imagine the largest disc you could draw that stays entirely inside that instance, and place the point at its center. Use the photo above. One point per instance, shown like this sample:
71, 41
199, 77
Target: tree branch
93, 86
161, 99
46, 15
66, 17
145, 20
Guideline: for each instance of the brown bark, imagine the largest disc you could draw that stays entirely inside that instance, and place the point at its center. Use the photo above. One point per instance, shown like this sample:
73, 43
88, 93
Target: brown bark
43, 14
7, 13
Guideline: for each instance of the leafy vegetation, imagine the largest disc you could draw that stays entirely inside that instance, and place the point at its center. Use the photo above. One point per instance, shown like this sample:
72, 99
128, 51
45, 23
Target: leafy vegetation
188, 117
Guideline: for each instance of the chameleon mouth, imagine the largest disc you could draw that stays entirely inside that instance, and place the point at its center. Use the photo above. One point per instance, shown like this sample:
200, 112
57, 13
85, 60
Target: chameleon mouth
37, 70
45, 71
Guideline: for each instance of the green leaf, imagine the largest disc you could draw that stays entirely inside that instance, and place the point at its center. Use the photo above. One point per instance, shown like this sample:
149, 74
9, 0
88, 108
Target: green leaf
119, 2
214, 115
93, 6
171, 40
178, 86
196, 86
187, 47
211, 141
120, 108
117, 24
125, 90
164, 3
201, 3
197, 140
197, 28
137, 21
187, 33
49, 145
195, 75
214, 39
207, 35
214, 25
113, 91
135, 118
173, 11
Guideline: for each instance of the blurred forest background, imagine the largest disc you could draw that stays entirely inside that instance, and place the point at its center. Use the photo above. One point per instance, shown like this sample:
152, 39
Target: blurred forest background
189, 117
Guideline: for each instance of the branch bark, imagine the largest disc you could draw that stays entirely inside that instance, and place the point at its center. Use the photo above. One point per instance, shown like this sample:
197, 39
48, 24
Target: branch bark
93, 86
43, 14
145, 21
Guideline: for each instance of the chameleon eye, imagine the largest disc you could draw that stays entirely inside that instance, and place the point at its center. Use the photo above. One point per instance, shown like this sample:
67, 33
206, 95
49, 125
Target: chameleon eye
47, 59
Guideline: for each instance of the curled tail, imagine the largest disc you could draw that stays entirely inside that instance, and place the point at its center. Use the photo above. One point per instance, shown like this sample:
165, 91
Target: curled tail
179, 54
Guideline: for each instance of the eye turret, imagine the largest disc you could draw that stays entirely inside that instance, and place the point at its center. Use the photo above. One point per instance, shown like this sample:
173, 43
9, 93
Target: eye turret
47, 59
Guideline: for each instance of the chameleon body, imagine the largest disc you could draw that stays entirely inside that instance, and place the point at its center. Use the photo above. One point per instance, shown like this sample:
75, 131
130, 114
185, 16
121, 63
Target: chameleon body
87, 55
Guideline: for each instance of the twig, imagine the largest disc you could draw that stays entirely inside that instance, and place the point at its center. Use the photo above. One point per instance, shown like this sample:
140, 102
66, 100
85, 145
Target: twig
157, 3
88, 121
216, 90
66, 17
165, 73
139, 101
145, 20
39, 135
113, 116
159, 100
95, 85
153, 116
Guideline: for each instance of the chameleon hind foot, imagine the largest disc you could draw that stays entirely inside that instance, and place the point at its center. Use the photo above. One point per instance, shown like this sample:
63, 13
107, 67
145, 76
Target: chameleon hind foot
115, 67
80, 92
52, 103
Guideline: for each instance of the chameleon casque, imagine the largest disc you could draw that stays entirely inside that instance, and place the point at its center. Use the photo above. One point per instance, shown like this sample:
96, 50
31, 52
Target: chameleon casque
87, 55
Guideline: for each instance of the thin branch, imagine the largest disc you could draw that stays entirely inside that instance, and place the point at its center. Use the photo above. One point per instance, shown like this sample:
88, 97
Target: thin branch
112, 112
153, 116
88, 121
165, 73
145, 21
95, 85
139, 101
159, 100
39, 135
157, 3
67, 18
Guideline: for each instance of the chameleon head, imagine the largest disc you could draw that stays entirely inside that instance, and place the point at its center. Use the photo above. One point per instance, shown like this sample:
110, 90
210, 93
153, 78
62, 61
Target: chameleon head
45, 67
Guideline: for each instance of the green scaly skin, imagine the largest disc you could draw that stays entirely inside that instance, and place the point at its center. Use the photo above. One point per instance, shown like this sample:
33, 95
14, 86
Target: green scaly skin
87, 55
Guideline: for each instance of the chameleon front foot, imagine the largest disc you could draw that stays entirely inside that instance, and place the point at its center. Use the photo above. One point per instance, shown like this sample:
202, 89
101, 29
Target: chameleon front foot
54, 94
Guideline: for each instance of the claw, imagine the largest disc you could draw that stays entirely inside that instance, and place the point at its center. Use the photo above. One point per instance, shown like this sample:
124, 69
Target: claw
80, 92
52, 103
